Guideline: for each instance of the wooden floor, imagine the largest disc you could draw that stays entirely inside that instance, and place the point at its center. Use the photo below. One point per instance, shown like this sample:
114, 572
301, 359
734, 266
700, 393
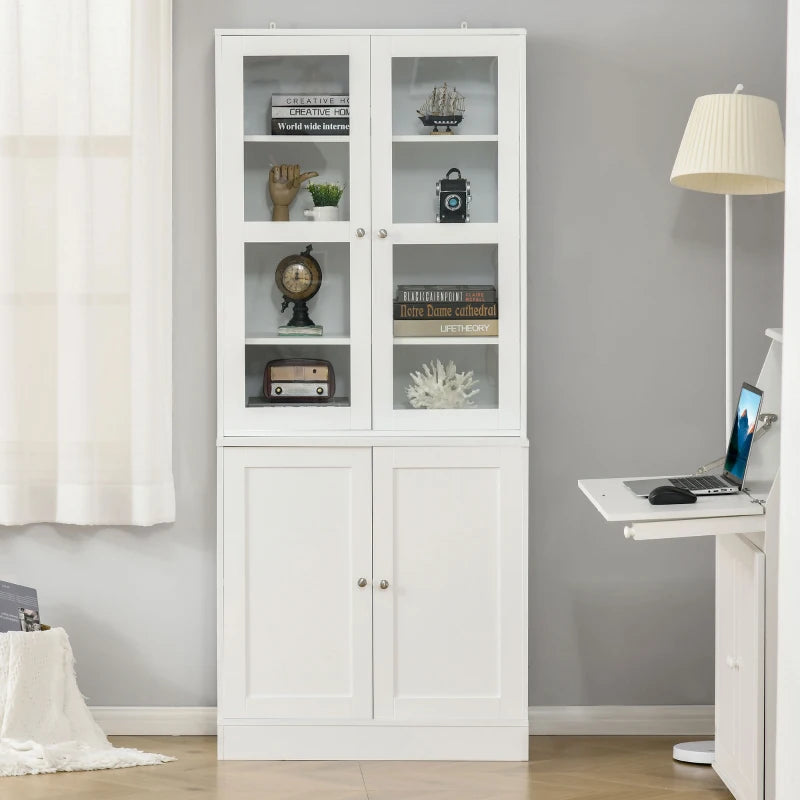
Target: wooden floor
561, 768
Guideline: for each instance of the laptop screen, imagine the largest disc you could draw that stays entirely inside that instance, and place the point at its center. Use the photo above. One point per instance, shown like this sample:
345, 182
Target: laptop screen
744, 427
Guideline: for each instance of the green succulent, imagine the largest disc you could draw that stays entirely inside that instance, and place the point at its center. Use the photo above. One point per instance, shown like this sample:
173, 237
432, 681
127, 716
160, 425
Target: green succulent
326, 194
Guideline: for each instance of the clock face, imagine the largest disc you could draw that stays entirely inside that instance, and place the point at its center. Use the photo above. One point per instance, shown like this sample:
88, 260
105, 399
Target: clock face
298, 277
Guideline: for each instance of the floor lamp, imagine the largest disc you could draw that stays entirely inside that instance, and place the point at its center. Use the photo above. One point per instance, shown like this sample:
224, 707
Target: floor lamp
733, 144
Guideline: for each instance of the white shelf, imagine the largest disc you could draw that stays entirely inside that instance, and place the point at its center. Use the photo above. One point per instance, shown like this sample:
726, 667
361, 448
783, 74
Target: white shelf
617, 503
444, 233
297, 340
252, 137
468, 137
268, 231
436, 340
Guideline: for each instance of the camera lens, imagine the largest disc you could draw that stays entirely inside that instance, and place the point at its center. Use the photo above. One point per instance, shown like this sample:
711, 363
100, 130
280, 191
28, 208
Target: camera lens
453, 202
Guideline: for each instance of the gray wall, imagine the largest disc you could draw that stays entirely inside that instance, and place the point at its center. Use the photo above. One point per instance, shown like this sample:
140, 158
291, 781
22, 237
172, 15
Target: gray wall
626, 288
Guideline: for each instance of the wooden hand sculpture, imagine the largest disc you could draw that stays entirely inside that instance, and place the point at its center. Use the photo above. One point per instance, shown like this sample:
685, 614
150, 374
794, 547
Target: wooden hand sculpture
284, 183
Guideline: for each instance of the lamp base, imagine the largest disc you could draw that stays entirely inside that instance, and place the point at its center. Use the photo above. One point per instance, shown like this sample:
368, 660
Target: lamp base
694, 752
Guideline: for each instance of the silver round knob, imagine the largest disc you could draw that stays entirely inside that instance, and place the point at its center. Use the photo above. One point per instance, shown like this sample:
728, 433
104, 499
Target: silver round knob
361, 233
384, 584
383, 233
362, 582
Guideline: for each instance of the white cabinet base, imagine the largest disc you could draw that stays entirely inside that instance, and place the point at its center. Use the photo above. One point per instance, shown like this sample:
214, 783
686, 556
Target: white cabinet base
373, 742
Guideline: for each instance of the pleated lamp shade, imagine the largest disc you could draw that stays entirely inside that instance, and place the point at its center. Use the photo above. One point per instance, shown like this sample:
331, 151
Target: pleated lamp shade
733, 144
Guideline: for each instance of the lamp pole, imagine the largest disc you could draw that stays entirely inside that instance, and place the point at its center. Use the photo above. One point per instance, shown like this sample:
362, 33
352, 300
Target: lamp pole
729, 308
728, 315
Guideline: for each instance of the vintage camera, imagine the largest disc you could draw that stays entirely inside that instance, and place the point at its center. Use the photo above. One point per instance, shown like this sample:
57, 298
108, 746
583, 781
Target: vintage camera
454, 197
299, 380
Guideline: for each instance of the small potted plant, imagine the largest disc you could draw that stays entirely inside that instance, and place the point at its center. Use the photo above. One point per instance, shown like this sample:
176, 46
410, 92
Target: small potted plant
326, 197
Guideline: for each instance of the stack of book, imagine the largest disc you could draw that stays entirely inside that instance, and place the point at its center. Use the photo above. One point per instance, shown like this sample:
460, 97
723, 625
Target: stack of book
445, 311
310, 115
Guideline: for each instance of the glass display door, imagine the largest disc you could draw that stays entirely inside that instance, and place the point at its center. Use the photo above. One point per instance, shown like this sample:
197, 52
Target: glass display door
446, 252
293, 175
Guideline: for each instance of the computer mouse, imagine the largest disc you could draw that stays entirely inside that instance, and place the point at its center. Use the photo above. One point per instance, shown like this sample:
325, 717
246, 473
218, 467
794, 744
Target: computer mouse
669, 495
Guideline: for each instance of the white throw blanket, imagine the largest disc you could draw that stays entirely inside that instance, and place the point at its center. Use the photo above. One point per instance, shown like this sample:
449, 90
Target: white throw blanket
45, 725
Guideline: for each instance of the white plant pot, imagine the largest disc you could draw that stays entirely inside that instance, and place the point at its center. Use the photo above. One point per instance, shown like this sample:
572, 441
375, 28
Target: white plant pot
323, 213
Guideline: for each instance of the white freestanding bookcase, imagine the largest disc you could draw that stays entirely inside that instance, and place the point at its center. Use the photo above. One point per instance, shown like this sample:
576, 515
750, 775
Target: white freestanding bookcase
372, 556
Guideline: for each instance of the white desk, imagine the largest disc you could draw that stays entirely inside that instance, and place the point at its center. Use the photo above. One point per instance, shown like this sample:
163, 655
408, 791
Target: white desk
745, 527
740, 524
709, 516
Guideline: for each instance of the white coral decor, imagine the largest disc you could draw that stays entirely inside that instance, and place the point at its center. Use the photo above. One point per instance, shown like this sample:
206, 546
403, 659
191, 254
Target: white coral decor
437, 386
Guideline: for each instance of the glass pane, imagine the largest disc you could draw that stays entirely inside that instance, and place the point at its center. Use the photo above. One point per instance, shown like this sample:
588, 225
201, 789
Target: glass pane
258, 356
414, 79
265, 76
438, 391
417, 166
330, 307
330, 159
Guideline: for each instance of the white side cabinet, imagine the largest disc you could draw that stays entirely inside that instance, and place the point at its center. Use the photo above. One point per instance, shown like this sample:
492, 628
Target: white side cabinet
739, 701
372, 550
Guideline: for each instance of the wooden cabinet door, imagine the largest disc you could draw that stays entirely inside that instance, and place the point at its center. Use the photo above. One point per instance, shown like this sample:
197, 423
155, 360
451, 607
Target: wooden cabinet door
449, 541
297, 627
739, 655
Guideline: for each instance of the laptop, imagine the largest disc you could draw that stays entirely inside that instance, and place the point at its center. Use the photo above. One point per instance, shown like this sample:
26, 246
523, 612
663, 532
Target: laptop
731, 479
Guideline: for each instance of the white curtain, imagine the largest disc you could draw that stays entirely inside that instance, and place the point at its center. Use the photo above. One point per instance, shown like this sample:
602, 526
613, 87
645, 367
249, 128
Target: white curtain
85, 262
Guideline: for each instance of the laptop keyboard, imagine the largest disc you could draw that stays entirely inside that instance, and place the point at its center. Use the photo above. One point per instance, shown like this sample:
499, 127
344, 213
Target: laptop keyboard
700, 482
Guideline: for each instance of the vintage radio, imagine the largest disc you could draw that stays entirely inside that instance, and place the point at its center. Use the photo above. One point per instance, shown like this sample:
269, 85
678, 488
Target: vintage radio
299, 380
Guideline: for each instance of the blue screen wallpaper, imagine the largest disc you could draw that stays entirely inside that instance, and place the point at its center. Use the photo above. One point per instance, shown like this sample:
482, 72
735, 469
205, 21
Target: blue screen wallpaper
742, 433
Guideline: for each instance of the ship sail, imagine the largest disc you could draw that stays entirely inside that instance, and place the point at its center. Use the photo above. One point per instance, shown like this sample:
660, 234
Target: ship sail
443, 106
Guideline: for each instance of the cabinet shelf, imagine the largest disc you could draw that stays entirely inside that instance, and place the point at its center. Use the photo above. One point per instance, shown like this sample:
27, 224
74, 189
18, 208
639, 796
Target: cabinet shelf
466, 137
297, 340
258, 137
444, 233
261, 402
445, 340
268, 231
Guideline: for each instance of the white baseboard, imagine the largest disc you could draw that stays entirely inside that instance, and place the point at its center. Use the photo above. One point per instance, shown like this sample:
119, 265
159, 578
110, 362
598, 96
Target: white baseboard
621, 720
544, 720
156, 720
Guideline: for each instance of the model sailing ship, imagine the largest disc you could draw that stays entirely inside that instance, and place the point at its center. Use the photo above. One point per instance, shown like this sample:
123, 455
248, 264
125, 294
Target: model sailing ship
443, 108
